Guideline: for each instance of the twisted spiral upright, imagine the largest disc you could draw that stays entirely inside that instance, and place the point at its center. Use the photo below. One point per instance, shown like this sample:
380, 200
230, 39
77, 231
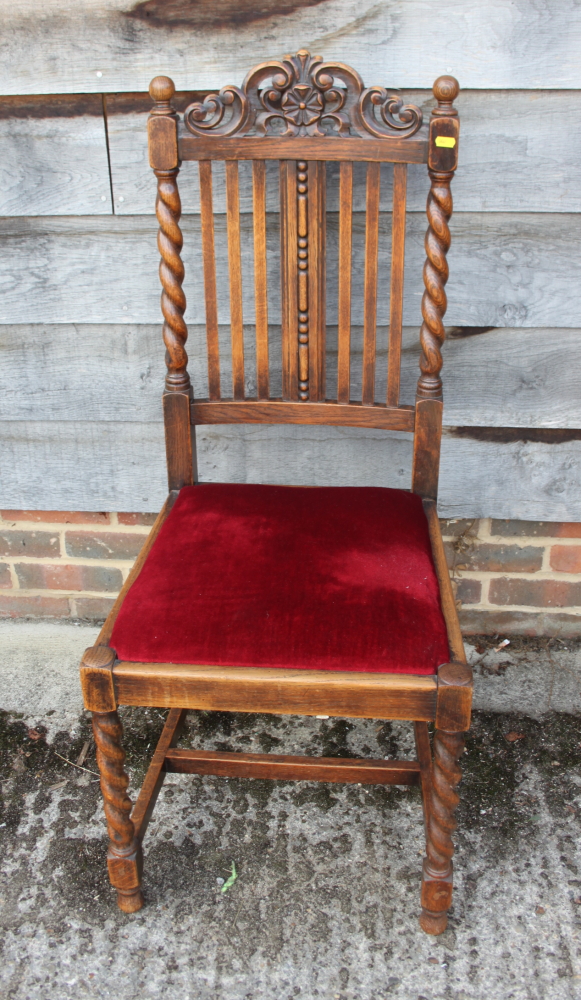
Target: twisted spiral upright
434, 301
111, 758
448, 748
171, 272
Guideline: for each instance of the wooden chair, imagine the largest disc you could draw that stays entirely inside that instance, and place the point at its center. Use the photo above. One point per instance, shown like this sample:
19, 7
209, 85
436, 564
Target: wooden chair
323, 601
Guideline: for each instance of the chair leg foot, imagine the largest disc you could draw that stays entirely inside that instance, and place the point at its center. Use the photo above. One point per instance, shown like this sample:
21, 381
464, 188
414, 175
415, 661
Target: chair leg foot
124, 858
440, 806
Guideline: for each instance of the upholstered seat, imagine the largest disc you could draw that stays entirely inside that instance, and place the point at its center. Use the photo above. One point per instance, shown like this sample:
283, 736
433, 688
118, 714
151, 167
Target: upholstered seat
334, 578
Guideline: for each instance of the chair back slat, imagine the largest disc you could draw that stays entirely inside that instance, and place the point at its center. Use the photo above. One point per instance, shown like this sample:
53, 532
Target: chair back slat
260, 278
396, 290
289, 278
209, 261
235, 271
317, 313
370, 280
344, 304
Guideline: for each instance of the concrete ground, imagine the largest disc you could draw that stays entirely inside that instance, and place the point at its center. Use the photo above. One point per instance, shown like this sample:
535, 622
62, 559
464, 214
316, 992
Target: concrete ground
326, 900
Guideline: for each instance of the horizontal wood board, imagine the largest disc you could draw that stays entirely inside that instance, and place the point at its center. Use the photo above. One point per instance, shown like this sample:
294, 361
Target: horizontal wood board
500, 378
120, 45
104, 270
105, 466
518, 153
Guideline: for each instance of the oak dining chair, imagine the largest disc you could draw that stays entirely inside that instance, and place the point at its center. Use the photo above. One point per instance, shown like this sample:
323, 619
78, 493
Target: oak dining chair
330, 600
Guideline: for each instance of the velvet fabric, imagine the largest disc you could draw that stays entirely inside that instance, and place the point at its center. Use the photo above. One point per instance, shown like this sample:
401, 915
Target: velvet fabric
328, 578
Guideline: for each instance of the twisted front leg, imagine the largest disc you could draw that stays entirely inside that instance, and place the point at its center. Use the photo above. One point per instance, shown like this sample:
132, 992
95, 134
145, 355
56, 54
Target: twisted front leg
124, 857
434, 301
440, 825
171, 272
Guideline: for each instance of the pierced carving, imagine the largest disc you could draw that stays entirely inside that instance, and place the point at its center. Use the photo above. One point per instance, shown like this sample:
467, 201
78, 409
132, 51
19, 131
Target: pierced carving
171, 272
302, 95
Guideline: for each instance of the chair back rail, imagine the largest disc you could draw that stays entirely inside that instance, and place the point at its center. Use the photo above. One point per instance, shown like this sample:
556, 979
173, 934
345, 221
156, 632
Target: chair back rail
305, 113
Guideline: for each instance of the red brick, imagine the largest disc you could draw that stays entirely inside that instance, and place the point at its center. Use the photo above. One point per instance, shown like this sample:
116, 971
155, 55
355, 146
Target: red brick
146, 519
453, 527
22, 606
29, 543
566, 558
501, 558
468, 591
5, 578
40, 576
536, 529
93, 609
58, 516
103, 544
535, 593
474, 621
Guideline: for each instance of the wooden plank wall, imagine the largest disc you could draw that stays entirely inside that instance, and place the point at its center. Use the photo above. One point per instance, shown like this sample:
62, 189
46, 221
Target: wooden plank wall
81, 357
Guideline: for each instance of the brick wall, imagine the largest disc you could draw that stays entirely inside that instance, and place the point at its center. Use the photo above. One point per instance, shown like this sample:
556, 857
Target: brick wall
510, 576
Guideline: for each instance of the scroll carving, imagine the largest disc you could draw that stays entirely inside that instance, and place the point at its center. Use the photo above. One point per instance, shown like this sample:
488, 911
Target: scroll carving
302, 95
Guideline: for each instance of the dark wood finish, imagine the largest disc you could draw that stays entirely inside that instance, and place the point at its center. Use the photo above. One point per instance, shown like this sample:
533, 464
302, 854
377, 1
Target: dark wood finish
210, 294
235, 271
396, 290
439, 210
302, 112
124, 855
143, 808
283, 767
370, 280
272, 690
344, 307
332, 149
260, 278
281, 412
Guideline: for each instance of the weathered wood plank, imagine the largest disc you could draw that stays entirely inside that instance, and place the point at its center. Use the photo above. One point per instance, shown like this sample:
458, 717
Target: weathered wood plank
505, 377
54, 156
119, 45
518, 154
506, 270
106, 466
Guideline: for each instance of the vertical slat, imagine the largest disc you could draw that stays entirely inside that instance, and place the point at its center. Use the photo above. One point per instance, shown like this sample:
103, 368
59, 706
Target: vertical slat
317, 279
370, 281
235, 270
289, 278
209, 258
396, 291
260, 277
344, 312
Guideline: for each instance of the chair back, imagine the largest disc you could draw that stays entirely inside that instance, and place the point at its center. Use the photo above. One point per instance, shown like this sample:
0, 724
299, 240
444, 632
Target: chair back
300, 122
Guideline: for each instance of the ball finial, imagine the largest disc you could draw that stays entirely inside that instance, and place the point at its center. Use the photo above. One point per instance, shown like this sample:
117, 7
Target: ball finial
446, 89
161, 89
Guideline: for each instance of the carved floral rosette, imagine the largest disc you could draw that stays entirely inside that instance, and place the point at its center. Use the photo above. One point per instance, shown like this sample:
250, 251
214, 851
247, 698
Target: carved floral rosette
300, 96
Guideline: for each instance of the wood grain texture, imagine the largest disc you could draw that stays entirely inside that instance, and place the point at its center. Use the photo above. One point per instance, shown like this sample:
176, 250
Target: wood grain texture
447, 595
370, 281
344, 279
145, 803
209, 272
286, 768
235, 273
279, 691
398, 228
260, 278
329, 413
54, 157
524, 45
506, 377
102, 270
519, 154
106, 466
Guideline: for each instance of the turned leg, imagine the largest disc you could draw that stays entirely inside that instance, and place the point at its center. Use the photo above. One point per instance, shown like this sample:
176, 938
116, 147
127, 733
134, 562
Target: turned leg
124, 857
440, 806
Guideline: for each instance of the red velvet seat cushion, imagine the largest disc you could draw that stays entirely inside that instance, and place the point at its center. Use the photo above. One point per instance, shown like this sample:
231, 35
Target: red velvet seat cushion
330, 578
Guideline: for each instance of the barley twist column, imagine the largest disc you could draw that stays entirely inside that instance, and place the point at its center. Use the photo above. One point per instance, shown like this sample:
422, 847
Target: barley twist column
124, 856
440, 825
171, 273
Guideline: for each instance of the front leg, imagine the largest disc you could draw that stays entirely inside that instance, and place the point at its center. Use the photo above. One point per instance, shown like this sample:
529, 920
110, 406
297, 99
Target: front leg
124, 859
440, 825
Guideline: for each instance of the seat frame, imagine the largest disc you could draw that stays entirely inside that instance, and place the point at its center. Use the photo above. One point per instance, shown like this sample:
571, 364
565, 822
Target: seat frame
443, 699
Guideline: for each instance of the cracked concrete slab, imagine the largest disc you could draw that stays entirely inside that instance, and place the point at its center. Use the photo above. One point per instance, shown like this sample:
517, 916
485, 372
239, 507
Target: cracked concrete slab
325, 903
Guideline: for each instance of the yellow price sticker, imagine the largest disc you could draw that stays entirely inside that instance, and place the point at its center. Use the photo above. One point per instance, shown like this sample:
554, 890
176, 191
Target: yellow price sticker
446, 140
